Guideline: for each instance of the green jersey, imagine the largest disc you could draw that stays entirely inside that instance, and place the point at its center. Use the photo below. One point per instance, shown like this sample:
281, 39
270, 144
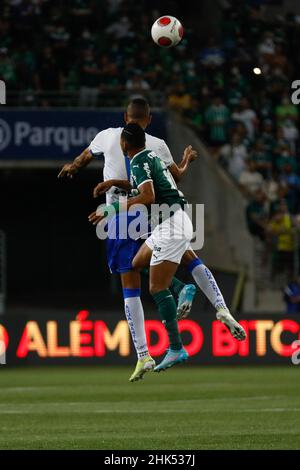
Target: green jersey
147, 166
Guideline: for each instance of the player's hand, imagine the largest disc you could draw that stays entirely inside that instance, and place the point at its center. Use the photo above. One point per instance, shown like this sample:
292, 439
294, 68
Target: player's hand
68, 170
102, 188
189, 154
96, 217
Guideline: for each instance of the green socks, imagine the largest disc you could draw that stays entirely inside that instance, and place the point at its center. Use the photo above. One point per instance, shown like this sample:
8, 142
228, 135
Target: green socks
167, 310
176, 286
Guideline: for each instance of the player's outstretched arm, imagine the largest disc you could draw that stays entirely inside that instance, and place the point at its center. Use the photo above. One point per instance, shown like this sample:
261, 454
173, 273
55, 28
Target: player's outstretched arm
189, 155
81, 161
105, 186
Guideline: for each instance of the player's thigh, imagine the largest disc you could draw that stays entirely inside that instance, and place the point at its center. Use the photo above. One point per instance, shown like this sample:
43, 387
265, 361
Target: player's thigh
161, 275
142, 258
189, 256
131, 280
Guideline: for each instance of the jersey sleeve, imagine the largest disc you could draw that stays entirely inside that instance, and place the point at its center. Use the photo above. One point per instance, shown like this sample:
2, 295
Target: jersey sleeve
141, 172
97, 146
164, 153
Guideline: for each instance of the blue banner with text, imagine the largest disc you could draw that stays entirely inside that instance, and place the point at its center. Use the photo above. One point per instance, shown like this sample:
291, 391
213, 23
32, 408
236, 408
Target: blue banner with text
58, 134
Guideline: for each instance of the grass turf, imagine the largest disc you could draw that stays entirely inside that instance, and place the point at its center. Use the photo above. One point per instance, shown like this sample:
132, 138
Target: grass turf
183, 408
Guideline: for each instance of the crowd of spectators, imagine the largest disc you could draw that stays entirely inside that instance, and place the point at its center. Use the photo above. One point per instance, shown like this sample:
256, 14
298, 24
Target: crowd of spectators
92, 50
245, 113
233, 87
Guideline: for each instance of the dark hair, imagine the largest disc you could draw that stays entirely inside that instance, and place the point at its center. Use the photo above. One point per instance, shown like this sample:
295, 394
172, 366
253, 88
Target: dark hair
138, 108
134, 136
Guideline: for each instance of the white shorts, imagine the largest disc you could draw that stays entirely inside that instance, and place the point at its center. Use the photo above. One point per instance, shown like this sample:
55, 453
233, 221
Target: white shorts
171, 239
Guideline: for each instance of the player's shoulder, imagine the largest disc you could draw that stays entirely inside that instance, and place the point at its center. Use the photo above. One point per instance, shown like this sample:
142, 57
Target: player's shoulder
152, 140
109, 132
160, 147
146, 156
149, 154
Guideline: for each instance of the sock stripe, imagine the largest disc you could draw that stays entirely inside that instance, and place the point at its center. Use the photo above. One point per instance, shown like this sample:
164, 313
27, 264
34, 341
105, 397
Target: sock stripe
128, 293
192, 265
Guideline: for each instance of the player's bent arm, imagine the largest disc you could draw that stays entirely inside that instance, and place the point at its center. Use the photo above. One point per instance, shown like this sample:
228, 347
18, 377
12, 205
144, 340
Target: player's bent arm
79, 162
105, 186
146, 197
178, 171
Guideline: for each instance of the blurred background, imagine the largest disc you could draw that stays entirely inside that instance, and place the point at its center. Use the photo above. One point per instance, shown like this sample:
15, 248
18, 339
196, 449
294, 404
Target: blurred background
70, 68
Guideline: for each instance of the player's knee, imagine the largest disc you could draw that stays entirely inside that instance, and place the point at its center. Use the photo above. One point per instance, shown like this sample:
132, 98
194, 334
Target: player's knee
155, 288
136, 265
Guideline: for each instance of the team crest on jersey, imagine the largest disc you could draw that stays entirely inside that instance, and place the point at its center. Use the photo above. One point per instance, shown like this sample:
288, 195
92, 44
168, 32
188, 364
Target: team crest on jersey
147, 170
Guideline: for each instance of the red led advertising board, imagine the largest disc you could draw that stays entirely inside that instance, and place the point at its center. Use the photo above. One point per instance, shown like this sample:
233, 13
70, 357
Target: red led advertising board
86, 338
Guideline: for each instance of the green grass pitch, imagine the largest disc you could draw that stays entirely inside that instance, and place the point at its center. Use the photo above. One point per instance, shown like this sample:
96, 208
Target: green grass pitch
184, 408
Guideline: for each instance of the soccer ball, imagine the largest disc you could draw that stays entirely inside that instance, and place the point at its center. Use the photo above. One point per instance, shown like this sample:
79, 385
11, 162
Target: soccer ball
167, 31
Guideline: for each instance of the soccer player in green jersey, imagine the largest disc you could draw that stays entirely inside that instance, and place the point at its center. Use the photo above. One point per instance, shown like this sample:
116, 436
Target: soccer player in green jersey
168, 241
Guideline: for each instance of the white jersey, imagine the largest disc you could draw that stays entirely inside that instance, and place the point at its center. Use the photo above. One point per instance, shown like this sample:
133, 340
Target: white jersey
107, 144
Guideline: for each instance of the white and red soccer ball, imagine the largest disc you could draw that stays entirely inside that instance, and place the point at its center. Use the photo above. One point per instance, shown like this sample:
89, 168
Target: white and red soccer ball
167, 31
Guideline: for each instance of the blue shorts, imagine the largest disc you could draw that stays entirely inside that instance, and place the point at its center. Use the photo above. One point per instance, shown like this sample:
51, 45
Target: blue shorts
121, 249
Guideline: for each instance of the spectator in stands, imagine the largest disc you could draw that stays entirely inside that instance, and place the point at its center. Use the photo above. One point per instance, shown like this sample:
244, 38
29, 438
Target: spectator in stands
120, 29
213, 55
89, 79
286, 110
262, 159
179, 99
267, 48
285, 158
137, 85
279, 141
234, 155
273, 190
48, 76
240, 129
277, 82
267, 136
194, 116
59, 38
7, 69
257, 215
247, 116
250, 180
109, 74
280, 59
280, 229
291, 296
290, 133
265, 107
290, 181
217, 119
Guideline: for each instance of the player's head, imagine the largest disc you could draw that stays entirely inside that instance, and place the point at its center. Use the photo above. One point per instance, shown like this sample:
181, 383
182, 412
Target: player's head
138, 112
132, 139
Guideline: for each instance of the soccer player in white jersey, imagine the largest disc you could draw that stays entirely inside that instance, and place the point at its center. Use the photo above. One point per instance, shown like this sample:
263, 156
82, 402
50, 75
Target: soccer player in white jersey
116, 183
121, 251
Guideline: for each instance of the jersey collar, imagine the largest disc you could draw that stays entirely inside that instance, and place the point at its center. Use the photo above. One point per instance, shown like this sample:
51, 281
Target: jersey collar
137, 154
